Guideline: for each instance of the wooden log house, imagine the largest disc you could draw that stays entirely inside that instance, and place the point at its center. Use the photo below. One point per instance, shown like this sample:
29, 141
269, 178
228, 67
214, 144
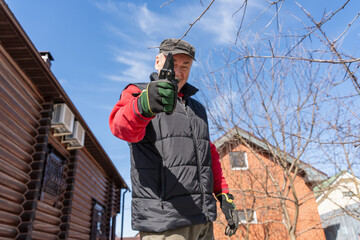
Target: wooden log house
56, 181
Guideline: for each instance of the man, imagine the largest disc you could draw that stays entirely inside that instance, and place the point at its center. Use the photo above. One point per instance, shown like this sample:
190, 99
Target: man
175, 169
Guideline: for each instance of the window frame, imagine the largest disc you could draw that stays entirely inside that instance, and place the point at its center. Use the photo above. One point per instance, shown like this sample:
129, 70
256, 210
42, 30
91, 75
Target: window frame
53, 182
243, 212
53, 179
246, 163
96, 222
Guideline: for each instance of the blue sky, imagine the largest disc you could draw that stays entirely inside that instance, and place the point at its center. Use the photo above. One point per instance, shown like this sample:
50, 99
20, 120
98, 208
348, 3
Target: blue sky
101, 46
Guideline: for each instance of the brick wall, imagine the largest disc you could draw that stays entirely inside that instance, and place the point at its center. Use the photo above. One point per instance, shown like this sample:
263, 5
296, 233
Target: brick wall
262, 188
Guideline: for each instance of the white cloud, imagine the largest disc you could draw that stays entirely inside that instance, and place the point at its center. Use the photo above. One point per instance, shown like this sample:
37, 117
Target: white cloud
144, 19
153, 24
147, 20
222, 20
139, 26
117, 32
137, 66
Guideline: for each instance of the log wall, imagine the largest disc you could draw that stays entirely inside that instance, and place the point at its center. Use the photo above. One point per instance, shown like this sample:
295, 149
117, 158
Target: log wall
28, 91
90, 184
20, 106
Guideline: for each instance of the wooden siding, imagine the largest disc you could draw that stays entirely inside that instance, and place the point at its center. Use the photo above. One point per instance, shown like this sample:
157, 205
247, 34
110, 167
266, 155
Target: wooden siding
47, 222
28, 90
91, 183
17, 44
68, 194
20, 107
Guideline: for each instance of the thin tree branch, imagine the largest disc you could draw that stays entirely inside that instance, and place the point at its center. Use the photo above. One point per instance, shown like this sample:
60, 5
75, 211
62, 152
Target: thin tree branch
332, 47
349, 25
166, 3
192, 24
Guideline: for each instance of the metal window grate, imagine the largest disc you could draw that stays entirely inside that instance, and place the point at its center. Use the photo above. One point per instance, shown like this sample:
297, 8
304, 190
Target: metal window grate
53, 178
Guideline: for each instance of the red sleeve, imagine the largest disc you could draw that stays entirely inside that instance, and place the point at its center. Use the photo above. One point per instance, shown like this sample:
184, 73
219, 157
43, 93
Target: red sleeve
125, 120
220, 185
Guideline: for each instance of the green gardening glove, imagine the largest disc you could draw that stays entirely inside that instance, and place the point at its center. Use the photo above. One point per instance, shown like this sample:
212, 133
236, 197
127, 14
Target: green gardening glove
228, 208
159, 96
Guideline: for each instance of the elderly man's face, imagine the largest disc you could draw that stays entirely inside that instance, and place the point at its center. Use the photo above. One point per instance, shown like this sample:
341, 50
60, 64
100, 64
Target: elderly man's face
182, 66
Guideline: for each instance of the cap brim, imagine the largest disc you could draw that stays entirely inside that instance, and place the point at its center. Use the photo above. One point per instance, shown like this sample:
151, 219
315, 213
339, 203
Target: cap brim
178, 51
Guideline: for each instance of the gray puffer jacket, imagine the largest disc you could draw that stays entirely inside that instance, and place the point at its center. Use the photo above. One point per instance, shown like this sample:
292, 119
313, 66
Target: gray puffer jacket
171, 169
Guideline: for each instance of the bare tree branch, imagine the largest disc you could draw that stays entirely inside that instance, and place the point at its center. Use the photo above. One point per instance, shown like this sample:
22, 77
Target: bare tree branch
333, 49
347, 28
192, 24
166, 3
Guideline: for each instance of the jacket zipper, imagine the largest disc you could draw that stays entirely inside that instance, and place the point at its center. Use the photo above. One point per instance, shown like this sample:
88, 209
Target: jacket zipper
162, 177
197, 162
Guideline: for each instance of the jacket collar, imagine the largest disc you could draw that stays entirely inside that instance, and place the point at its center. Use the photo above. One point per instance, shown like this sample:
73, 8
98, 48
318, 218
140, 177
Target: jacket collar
188, 90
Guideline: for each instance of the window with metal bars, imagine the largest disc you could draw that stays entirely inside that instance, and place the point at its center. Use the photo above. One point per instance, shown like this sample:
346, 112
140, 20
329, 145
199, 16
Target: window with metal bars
53, 181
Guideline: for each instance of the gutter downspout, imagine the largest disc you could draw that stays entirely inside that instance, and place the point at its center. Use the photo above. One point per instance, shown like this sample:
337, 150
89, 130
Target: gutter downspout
122, 214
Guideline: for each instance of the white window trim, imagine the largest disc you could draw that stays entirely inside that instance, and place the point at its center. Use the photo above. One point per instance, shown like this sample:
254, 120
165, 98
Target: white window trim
246, 163
254, 221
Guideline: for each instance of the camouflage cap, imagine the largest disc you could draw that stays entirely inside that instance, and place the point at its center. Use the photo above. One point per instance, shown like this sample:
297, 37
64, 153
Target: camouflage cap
176, 46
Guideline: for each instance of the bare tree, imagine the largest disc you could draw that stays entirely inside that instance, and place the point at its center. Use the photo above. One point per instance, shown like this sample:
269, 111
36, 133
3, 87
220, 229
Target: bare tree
294, 86
281, 104
297, 93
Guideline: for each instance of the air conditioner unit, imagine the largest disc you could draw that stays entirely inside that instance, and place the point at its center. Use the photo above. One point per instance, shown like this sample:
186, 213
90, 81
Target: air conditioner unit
76, 139
62, 120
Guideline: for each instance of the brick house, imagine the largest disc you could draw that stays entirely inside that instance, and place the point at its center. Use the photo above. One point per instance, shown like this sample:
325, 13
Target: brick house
264, 198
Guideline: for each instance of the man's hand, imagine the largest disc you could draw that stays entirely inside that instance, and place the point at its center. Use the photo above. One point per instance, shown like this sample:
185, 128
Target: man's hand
228, 208
159, 96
